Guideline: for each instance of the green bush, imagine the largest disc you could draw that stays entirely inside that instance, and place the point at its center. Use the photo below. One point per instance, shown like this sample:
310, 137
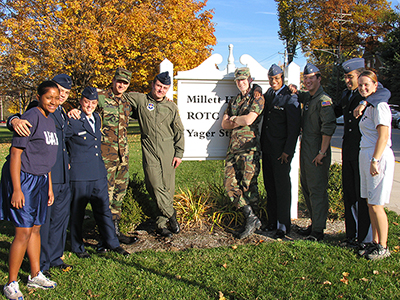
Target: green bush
335, 193
136, 206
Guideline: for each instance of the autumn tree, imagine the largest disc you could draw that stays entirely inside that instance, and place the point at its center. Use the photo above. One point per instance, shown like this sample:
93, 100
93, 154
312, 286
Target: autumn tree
89, 39
390, 54
321, 26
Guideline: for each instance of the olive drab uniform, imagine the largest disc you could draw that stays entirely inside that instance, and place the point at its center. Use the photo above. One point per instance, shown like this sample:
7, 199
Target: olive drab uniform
114, 112
162, 139
242, 164
318, 119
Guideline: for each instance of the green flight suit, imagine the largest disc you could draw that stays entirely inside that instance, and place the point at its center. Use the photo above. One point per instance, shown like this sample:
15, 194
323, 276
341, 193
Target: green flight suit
162, 139
318, 119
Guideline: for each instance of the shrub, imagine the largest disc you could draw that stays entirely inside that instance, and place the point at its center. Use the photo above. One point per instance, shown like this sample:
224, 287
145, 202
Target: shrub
136, 206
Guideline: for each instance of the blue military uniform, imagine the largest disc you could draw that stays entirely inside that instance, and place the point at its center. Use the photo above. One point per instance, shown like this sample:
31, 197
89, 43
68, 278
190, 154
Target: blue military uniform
356, 209
88, 182
280, 131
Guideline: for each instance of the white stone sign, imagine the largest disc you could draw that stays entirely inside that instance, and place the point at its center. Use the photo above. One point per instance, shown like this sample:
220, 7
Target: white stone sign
203, 94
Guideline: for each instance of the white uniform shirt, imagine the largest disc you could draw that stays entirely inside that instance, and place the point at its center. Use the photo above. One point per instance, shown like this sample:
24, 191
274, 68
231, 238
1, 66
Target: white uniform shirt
374, 116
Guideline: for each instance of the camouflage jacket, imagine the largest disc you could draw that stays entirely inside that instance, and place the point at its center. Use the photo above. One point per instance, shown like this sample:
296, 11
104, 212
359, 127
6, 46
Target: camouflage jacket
245, 138
114, 112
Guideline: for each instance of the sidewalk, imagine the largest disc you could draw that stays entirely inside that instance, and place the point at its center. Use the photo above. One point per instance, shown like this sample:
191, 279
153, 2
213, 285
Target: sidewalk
395, 195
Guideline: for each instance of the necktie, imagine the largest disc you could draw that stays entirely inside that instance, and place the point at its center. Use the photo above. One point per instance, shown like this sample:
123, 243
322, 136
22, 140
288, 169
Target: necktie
91, 121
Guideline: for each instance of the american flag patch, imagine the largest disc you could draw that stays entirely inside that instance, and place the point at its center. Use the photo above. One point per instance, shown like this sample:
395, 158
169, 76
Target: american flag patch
326, 103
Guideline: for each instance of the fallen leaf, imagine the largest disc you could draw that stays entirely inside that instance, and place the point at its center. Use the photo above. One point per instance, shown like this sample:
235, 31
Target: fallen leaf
395, 223
364, 279
327, 282
303, 278
345, 274
221, 296
225, 266
234, 247
375, 272
178, 276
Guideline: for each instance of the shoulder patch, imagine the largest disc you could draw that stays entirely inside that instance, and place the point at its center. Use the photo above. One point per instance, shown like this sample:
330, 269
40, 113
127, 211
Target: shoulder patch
326, 103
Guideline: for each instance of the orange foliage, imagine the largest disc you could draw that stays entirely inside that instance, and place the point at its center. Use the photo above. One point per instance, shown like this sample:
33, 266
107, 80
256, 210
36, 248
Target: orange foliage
89, 39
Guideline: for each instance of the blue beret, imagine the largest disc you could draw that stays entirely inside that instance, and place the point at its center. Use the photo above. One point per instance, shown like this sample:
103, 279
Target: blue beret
90, 93
164, 78
64, 80
310, 68
353, 64
274, 70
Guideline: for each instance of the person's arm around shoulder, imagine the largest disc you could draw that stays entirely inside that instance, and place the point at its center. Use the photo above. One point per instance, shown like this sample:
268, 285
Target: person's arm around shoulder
17, 198
381, 95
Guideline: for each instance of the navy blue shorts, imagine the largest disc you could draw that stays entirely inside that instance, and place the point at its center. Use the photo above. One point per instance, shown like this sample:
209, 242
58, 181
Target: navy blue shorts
36, 191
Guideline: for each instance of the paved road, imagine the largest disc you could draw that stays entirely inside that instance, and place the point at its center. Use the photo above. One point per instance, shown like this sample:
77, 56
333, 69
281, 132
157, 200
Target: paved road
337, 140
395, 194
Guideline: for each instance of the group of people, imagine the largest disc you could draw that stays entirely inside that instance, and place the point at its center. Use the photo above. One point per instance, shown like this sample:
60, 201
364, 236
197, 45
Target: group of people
368, 162
60, 162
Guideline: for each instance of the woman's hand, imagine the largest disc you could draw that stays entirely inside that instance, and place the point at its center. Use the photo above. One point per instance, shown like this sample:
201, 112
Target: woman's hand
373, 169
18, 199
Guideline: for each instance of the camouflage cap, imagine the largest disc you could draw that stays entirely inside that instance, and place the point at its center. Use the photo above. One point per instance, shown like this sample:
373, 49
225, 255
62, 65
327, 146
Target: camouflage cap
123, 74
90, 93
242, 73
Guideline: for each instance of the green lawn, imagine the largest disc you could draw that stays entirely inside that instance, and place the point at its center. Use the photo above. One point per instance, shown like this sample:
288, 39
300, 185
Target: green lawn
273, 270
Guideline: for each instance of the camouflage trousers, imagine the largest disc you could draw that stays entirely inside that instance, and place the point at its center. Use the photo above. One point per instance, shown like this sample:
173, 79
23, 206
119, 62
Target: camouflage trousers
241, 173
118, 179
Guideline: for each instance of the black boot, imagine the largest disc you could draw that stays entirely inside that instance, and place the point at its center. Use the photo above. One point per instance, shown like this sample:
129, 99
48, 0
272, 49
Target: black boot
127, 240
252, 222
173, 223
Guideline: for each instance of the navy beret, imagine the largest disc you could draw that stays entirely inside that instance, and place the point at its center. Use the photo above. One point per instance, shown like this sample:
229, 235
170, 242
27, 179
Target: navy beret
90, 93
310, 68
64, 80
164, 78
274, 70
353, 64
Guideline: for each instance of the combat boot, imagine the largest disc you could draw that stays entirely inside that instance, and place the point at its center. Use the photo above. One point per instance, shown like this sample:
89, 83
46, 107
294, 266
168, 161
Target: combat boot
252, 222
173, 223
122, 238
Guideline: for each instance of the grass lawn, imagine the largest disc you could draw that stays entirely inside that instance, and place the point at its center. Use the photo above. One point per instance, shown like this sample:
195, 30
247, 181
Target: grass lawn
268, 270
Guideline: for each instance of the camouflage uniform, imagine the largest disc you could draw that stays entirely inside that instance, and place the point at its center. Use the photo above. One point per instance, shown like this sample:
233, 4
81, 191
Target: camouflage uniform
115, 112
162, 139
242, 164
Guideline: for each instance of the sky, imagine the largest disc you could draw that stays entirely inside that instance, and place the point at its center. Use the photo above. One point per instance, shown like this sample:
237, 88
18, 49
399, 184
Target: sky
252, 27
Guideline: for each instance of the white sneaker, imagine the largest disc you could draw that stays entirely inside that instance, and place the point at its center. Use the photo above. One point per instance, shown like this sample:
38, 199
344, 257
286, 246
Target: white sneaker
378, 253
41, 281
11, 291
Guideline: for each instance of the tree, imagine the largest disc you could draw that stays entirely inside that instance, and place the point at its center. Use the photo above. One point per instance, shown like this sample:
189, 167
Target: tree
291, 15
89, 39
320, 26
390, 53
